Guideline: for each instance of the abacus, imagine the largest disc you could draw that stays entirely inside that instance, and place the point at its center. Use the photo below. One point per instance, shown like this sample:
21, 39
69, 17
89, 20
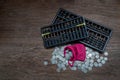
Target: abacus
98, 35
64, 32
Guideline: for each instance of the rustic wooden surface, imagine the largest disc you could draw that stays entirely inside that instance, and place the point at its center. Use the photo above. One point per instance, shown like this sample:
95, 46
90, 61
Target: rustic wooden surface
21, 47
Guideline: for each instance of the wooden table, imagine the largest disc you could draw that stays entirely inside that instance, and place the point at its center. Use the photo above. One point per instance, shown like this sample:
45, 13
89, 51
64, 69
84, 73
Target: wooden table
21, 46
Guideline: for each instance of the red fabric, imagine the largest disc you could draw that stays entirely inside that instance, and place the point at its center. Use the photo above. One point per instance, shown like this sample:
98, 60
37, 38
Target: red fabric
78, 53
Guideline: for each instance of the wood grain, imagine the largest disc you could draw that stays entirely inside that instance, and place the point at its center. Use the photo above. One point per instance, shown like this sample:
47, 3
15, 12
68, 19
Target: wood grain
21, 47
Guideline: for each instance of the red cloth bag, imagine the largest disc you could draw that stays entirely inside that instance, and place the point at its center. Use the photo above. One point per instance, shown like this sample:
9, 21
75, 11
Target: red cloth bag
78, 53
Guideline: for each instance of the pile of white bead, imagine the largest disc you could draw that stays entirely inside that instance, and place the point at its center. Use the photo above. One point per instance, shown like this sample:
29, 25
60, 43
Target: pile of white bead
93, 59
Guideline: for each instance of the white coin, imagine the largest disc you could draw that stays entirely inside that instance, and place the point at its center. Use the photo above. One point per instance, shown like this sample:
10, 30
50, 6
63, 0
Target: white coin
53, 61
73, 68
59, 65
90, 55
90, 68
97, 56
53, 57
91, 60
62, 54
100, 65
96, 53
98, 60
66, 62
101, 58
86, 66
84, 70
91, 65
105, 58
70, 54
86, 63
90, 50
93, 53
79, 67
79, 64
67, 56
87, 57
58, 69
45, 63
87, 48
57, 56
96, 64
87, 52
62, 65
57, 48
106, 53
62, 49
66, 51
103, 61
75, 64
64, 68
